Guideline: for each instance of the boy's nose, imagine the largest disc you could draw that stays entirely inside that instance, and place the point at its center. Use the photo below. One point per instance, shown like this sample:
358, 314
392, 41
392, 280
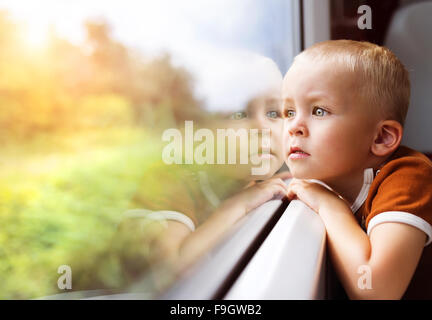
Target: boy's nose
297, 128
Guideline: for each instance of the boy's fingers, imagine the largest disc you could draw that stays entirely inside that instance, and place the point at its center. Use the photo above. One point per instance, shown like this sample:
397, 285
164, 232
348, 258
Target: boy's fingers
291, 194
279, 192
293, 189
280, 183
250, 184
293, 182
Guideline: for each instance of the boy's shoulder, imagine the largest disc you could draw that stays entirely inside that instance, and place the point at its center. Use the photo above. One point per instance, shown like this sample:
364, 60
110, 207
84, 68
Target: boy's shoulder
404, 168
402, 192
401, 189
405, 157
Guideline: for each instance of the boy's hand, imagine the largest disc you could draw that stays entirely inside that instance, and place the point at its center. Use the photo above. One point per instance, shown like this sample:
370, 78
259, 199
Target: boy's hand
259, 193
312, 194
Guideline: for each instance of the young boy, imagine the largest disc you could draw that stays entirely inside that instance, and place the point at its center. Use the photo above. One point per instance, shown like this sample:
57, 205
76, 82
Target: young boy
345, 103
196, 211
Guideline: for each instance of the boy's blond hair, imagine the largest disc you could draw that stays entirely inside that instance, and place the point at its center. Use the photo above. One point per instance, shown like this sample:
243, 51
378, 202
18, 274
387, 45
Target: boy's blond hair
384, 79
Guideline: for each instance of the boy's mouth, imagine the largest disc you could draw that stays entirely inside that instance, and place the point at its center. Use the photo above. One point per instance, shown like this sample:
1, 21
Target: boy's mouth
297, 153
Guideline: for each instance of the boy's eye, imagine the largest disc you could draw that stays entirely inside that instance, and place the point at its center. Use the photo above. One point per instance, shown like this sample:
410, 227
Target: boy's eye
273, 114
238, 115
289, 113
320, 112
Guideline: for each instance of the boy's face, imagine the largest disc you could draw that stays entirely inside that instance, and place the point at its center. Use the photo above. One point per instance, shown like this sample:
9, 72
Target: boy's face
329, 129
264, 112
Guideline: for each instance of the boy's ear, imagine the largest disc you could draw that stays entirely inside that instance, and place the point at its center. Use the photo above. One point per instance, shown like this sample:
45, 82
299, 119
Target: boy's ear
388, 137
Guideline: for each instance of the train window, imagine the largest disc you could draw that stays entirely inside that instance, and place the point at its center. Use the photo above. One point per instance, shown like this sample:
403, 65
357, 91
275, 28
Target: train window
109, 126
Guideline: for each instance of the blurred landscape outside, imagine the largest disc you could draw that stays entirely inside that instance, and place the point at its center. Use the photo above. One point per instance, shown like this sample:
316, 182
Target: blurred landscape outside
80, 132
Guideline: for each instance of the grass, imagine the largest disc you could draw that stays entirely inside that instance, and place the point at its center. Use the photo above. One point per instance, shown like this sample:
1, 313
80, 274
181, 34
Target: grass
61, 198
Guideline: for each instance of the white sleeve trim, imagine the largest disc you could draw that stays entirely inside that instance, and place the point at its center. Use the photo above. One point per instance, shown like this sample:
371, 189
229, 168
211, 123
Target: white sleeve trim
368, 176
402, 217
161, 215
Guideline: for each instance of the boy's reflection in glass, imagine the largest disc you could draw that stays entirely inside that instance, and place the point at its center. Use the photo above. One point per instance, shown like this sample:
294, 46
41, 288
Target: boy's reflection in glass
199, 204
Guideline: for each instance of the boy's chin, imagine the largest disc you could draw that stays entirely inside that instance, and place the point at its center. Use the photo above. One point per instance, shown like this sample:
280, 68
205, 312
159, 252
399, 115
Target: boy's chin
301, 174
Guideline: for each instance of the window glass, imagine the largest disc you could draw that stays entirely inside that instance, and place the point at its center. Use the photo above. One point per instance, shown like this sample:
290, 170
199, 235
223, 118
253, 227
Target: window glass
100, 102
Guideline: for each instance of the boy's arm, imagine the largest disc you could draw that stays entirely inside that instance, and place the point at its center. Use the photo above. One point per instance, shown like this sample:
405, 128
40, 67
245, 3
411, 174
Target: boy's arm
389, 257
181, 247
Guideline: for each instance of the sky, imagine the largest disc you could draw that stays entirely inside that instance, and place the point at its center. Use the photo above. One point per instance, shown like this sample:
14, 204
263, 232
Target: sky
207, 37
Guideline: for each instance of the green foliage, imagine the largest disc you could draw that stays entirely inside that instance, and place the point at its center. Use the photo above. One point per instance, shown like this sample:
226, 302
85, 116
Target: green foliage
64, 209
75, 124
104, 111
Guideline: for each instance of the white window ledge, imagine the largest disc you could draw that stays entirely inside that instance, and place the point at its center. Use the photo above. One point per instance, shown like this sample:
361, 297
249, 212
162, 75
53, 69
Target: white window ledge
290, 264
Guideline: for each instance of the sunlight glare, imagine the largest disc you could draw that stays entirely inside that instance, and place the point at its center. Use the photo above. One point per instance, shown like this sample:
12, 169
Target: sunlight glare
36, 37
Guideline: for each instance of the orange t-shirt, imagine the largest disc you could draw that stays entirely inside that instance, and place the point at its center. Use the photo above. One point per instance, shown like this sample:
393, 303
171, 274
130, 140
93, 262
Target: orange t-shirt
401, 191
